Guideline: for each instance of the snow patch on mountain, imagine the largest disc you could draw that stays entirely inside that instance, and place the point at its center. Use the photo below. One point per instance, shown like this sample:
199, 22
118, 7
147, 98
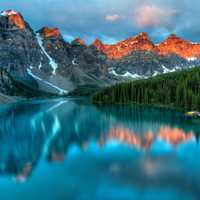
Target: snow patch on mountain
191, 59
127, 74
166, 70
40, 66
60, 90
8, 13
113, 72
74, 62
134, 76
53, 64
155, 73
178, 68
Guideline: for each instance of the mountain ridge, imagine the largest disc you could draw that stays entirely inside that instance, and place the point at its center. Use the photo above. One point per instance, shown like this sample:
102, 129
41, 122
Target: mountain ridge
139, 42
171, 45
50, 64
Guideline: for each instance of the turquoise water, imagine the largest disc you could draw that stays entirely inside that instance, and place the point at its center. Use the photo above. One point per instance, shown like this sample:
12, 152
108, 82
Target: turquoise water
69, 149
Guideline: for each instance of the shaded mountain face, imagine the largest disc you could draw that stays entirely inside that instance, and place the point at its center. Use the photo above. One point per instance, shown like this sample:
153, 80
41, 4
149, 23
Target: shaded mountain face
144, 64
76, 62
19, 49
45, 61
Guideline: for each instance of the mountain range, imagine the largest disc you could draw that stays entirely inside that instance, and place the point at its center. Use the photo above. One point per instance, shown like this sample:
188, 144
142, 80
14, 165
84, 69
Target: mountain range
43, 61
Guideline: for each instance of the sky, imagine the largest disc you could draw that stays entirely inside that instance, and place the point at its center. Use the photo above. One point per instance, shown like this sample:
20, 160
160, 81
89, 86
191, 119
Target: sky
112, 20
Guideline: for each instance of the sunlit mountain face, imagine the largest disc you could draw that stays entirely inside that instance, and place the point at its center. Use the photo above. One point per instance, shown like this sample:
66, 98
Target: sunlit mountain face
172, 45
140, 42
50, 32
15, 18
69, 142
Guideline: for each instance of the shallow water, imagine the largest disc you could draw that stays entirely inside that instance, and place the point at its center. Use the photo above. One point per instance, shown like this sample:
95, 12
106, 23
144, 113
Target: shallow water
69, 149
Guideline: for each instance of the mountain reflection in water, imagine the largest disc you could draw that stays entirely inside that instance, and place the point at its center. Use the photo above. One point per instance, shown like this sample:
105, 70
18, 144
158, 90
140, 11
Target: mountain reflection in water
173, 136
130, 147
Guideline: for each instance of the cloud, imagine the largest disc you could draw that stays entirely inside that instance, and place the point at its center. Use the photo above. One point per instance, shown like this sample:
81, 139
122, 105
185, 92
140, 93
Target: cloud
112, 18
153, 15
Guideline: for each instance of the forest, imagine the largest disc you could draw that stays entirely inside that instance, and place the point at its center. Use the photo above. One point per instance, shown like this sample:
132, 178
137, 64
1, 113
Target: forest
178, 89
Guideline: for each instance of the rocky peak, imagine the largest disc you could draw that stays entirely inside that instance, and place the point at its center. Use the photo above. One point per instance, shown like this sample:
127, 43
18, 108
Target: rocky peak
173, 36
140, 42
9, 13
98, 43
79, 41
142, 36
14, 18
176, 45
49, 32
174, 39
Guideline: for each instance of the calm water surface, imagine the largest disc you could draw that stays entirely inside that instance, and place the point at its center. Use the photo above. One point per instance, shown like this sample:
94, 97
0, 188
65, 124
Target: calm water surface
68, 149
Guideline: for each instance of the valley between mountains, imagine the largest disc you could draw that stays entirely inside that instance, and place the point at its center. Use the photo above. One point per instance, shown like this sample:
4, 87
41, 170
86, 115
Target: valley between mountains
42, 63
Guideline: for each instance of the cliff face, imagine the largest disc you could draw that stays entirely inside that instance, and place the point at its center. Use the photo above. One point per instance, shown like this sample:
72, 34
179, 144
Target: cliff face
137, 57
78, 63
19, 49
14, 18
181, 47
140, 42
50, 32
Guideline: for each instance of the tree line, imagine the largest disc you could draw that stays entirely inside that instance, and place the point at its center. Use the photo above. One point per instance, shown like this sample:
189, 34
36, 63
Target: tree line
178, 89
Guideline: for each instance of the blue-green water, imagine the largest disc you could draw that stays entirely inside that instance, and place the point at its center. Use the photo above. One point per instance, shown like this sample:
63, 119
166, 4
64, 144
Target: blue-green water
69, 149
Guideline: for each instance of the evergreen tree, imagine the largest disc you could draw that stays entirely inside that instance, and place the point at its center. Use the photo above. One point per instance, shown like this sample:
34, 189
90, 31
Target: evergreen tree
180, 89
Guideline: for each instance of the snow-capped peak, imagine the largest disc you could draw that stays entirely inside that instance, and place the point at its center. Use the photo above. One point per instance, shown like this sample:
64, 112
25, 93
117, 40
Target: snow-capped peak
15, 18
9, 12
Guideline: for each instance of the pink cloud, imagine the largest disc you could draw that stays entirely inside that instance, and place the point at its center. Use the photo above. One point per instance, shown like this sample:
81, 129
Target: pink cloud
112, 18
152, 15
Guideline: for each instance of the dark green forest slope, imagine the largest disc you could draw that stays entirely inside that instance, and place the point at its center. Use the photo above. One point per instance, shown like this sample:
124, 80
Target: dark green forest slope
179, 89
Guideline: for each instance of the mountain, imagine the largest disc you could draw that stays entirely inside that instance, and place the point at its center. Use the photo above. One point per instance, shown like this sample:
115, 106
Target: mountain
137, 57
179, 46
20, 50
172, 45
140, 42
45, 62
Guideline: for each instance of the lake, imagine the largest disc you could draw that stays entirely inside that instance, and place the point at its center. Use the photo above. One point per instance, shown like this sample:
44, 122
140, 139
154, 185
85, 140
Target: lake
62, 149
